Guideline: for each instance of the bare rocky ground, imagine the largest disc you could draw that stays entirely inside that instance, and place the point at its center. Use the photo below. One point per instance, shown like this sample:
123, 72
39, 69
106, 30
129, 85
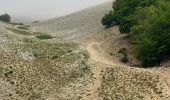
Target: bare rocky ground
79, 61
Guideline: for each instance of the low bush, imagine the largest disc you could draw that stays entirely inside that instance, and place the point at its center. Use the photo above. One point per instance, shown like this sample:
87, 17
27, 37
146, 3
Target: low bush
107, 20
23, 27
14, 23
124, 55
44, 36
5, 18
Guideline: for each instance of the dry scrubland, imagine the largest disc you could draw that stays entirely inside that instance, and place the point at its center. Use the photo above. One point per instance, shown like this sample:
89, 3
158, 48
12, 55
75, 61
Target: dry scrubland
38, 69
74, 58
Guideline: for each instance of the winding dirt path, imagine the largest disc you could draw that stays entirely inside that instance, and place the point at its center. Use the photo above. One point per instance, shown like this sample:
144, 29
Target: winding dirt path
101, 60
92, 88
96, 53
98, 58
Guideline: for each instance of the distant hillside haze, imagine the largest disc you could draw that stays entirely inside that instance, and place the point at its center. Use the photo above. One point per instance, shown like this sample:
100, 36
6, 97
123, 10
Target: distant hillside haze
44, 9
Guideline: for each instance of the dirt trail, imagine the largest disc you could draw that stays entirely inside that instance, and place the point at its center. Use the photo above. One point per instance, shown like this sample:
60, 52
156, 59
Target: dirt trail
101, 60
93, 49
98, 57
96, 54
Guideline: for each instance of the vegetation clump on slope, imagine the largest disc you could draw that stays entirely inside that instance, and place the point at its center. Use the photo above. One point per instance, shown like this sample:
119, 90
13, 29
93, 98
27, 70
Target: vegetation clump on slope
44, 36
148, 22
5, 18
23, 27
18, 31
124, 54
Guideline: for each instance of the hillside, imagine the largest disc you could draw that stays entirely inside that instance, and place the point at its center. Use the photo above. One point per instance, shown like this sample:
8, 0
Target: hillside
76, 25
73, 58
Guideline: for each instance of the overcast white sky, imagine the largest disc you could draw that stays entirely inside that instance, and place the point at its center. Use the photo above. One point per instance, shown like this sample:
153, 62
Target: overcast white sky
44, 9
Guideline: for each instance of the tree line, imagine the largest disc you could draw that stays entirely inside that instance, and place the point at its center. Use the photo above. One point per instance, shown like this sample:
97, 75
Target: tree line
148, 23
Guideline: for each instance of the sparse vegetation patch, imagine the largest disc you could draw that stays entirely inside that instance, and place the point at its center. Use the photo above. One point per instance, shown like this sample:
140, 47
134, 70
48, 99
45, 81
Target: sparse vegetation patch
44, 36
14, 23
23, 27
18, 31
5, 18
124, 55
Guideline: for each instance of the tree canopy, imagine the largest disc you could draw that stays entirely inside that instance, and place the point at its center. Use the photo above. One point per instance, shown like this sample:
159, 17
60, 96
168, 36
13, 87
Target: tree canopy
148, 22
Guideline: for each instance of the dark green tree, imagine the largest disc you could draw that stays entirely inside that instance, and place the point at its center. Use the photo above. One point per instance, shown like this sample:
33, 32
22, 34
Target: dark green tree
5, 18
107, 20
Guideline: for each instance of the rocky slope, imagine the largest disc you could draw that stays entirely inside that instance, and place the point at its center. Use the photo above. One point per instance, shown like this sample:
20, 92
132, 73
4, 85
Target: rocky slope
76, 25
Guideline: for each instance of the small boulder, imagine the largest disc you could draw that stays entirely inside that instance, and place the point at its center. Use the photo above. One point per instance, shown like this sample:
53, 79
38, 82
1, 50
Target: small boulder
28, 55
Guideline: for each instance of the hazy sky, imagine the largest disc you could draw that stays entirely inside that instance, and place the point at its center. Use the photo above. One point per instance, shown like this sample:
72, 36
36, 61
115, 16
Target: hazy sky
44, 9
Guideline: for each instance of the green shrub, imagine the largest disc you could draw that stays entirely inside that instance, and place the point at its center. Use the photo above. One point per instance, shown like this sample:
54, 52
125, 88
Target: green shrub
44, 36
152, 35
124, 54
23, 27
107, 20
5, 18
147, 51
14, 23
